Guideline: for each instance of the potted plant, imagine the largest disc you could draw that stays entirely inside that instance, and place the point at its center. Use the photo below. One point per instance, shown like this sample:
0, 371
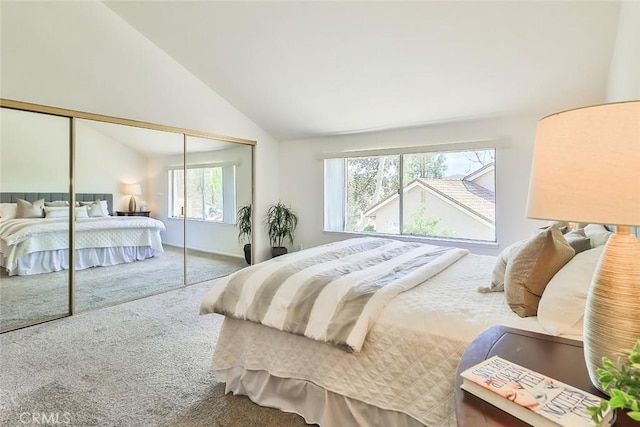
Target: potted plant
280, 223
243, 222
622, 383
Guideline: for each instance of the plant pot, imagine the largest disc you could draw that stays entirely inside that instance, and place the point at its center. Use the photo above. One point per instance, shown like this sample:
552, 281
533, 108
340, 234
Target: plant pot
277, 251
247, 253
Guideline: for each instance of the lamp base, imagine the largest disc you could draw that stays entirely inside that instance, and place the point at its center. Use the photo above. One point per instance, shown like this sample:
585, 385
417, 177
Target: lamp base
612, 311
132, 204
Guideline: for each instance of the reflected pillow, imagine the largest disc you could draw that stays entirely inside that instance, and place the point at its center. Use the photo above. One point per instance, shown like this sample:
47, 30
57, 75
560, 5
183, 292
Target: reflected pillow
98, 208
56, 212
30, 210
82, 212
56, 203
561, 307
8, 210
532, 267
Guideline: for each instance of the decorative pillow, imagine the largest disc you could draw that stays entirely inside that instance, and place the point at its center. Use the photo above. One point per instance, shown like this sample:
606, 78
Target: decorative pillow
97, 208
82, 212
561, 307
598, 234
30, 210
531, 268
8, 210
578, 240
56, 203
563, 226
497, 275
56, 212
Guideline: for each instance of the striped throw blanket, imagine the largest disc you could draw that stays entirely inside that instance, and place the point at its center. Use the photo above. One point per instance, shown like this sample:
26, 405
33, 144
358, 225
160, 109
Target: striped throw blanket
332, 293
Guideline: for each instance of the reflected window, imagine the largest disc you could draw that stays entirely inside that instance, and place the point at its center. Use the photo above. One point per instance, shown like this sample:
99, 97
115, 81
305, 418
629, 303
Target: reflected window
210, 193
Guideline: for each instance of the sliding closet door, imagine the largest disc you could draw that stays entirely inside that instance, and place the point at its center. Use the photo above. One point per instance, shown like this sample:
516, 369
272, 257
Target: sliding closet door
34, 183
129, 245
218, 181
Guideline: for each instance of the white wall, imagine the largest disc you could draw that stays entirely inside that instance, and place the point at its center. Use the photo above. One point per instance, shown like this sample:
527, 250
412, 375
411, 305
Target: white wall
104, 164
34, 152
301, 177
82, 56
624, 73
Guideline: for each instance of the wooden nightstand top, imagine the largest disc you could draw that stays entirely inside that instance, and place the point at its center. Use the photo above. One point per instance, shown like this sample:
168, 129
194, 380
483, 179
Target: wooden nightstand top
559, 358
138, 213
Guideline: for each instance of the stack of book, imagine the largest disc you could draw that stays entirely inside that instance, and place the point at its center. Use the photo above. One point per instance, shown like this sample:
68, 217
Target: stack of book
532, 397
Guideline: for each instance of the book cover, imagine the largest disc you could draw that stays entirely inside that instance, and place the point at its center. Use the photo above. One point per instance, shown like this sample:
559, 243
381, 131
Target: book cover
531, 396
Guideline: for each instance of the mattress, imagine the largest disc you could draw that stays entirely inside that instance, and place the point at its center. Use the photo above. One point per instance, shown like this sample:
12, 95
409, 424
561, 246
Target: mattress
409, 359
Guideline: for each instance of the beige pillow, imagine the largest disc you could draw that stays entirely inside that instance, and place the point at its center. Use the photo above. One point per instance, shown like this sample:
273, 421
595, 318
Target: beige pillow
30, 210
497, 275
8, 210
532, 267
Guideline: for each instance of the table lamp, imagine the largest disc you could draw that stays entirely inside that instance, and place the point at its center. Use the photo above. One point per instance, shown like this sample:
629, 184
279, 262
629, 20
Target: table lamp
586, 168
133, 190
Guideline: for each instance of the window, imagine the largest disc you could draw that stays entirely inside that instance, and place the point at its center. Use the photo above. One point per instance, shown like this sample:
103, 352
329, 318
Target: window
210, 193
444, 194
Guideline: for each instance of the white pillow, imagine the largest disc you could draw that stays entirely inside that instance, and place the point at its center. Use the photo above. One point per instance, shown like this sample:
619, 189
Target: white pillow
561, 307
8, 210
598, 234
82, 212
97, 208
56, 212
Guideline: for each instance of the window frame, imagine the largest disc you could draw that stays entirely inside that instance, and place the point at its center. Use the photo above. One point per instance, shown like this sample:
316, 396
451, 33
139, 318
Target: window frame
481, 145
228, 190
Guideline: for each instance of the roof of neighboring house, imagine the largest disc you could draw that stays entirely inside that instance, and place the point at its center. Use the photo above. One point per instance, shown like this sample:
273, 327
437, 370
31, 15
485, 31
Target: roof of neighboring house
467, 194
479, 172
470, 196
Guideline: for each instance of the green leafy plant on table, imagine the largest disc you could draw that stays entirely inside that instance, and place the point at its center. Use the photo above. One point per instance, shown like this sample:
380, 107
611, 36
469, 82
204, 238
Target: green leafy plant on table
622, 382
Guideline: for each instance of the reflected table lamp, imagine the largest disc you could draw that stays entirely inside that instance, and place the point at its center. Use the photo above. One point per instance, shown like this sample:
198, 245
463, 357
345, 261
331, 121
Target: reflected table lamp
133, 190
586, 168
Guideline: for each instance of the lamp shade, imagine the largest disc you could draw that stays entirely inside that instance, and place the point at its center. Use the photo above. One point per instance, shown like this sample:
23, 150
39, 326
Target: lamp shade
586, 166
132, 189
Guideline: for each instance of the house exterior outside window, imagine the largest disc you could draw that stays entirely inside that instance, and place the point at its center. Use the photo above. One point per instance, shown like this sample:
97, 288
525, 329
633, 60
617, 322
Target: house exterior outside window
210, 193
444, 194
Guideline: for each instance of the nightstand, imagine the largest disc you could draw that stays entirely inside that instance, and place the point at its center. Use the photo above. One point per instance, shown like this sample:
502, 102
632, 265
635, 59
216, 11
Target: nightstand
559, 358
138, 213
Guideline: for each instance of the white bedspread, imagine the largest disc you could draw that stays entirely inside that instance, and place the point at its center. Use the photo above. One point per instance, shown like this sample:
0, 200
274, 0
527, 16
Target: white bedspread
334, 292
19, 237
409, 359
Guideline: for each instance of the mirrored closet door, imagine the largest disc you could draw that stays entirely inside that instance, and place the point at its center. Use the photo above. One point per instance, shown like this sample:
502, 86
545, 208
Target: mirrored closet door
137, 208
217, 176
34, 217
127, 233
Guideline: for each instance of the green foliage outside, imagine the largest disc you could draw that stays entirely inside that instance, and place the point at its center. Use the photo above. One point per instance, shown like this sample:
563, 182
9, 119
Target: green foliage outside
421, 225
622, 382
373, 179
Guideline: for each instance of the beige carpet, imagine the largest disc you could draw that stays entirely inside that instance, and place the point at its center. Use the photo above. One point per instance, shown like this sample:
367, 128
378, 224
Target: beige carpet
41, 296
142, 363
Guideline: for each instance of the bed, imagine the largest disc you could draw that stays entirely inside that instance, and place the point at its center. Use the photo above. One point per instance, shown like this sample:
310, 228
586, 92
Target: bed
404, 372
34, 233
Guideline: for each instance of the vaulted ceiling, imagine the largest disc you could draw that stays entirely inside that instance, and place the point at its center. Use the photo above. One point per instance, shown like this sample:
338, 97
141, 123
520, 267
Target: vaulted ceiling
306, 69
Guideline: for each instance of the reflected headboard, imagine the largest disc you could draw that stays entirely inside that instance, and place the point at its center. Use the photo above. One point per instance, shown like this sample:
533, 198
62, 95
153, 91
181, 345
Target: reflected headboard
50, 197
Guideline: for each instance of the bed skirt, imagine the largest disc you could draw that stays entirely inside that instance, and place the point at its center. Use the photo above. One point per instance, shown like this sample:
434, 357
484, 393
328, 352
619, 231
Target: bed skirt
57, 260
315, 404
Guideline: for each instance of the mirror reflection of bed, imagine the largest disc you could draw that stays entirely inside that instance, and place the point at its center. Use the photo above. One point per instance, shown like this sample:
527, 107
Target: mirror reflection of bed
34, 162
